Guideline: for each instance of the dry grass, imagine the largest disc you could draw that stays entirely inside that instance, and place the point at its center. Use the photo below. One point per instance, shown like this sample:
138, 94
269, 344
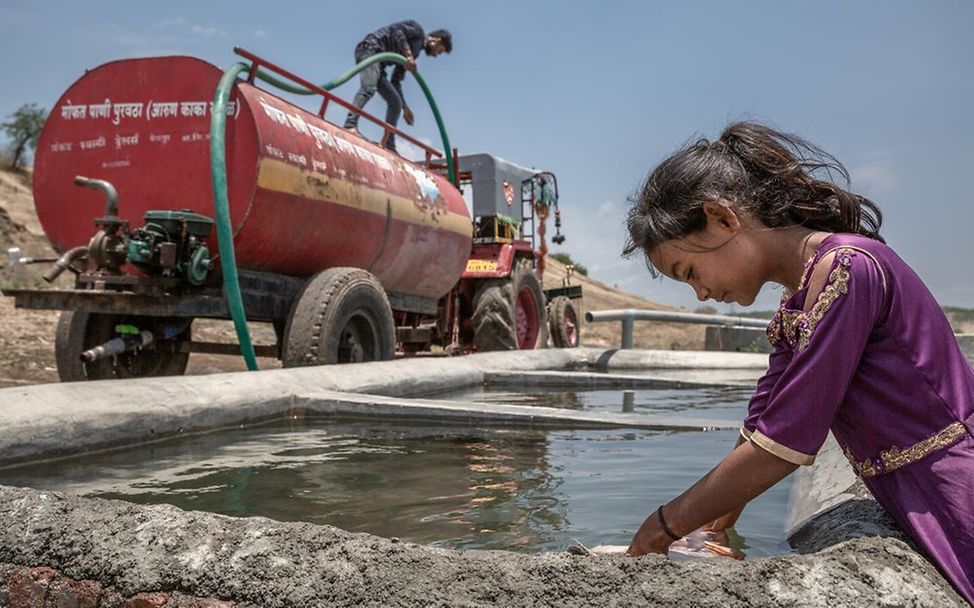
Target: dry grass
27, 336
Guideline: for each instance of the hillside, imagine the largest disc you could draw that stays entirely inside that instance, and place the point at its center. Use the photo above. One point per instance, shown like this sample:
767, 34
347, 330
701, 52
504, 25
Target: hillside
27, 337
599, 296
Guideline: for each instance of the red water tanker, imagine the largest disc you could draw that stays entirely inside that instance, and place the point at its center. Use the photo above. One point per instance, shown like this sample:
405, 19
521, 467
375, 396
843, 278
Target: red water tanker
304, 194
347, 248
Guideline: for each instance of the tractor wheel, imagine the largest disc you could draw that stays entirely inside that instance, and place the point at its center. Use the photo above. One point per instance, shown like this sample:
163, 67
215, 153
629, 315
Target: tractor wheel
509, 313
342, 316
532, 326
78, 331
493, 316
563, 323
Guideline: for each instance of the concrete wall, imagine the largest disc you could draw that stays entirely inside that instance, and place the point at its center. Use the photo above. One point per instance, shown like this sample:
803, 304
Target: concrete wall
127, 550
50, 420
966, 342
737, 339
52, 545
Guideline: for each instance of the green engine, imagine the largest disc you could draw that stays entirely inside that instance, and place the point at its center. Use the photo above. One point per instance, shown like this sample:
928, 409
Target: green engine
171, 244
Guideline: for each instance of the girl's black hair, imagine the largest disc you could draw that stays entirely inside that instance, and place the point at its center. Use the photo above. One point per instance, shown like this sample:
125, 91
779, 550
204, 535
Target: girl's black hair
779, 178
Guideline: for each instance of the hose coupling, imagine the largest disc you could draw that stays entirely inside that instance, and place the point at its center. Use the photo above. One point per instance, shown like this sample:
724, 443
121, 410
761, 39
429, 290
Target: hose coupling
64, 262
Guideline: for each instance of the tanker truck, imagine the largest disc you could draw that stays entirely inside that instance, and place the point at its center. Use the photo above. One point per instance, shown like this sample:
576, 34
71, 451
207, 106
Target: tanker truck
349, 251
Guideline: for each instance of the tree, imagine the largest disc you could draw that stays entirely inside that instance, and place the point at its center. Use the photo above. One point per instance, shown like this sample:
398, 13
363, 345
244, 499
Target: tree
24, 128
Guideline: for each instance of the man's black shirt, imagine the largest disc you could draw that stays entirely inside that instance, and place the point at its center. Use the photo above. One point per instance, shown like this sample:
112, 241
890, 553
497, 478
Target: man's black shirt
397, 38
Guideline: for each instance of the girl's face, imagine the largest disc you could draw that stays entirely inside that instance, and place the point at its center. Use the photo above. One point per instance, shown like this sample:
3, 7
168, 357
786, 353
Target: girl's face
719, 262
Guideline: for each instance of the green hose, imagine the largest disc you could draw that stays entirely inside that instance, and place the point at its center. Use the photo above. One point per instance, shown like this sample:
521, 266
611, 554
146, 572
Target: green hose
390, 57
221, 205
218, 172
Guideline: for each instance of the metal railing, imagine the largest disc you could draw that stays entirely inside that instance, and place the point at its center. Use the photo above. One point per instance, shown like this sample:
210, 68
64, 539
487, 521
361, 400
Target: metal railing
329, 97
629, 316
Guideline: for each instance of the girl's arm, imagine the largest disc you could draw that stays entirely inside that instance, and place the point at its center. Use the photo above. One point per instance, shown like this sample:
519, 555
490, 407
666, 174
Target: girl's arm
727, 520
742, 475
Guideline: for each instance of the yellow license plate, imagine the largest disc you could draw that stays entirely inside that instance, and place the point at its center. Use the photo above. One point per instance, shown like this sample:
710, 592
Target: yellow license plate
481, 265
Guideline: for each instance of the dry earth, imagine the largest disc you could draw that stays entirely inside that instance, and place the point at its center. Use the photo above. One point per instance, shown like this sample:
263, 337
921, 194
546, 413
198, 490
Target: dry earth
27, 336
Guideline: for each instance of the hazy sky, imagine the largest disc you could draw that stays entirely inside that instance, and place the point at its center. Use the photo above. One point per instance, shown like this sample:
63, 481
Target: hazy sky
599, 92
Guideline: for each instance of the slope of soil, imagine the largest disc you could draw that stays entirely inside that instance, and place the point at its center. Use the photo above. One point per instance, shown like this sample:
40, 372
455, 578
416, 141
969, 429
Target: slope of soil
599, 296
27, 336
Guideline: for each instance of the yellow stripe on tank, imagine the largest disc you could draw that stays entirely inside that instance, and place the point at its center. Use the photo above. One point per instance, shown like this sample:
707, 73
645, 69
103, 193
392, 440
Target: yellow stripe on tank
279, 176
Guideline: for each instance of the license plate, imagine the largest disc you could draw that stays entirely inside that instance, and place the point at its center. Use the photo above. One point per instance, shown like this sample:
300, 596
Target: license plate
481, 265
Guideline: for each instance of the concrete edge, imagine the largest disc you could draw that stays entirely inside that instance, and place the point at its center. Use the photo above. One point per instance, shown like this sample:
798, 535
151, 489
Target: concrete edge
345, 405
56, 420
595, 381
821, 487
260, 562
844, 572
675, 359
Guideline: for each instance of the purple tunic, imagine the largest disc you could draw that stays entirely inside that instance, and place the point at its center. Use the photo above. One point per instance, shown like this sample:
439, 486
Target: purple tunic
875, 360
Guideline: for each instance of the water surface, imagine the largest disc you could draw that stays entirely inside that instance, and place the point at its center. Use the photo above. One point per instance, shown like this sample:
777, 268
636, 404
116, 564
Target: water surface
450, 487
712, 403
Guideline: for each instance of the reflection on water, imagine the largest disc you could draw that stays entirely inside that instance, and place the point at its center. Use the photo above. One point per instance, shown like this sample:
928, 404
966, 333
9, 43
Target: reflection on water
715, 403
469, 488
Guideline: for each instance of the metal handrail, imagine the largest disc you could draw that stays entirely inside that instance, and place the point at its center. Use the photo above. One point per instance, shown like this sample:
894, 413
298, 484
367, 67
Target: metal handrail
259, 62
629, 316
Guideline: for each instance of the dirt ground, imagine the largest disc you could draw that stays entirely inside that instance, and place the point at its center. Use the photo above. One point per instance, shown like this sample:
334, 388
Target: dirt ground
27, 336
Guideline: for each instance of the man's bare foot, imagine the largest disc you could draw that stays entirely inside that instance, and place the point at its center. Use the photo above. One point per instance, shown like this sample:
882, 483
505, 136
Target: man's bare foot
354, 131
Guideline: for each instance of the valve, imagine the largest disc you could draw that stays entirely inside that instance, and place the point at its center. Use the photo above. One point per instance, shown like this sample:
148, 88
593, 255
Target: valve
130, 339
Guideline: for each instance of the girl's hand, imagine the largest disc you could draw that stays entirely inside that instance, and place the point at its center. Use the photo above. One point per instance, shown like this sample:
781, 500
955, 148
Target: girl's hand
742, 475
717, 535
650, 538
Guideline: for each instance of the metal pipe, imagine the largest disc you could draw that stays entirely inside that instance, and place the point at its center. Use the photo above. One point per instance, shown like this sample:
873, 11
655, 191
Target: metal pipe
629, 316
667, 316
64, 261
15, 259
117, 346
111, 196
628, 329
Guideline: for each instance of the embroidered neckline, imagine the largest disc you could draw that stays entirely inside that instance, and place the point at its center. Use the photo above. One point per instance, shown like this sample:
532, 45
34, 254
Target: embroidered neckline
795, 327
807, 267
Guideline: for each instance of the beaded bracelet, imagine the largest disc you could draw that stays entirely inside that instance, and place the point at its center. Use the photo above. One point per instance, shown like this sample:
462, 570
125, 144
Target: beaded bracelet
662, 523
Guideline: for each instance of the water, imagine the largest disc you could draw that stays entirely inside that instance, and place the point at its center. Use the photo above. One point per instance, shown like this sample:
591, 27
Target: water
462, 488
714, 403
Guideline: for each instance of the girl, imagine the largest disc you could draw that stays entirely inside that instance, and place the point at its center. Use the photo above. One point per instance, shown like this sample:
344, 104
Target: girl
861, 347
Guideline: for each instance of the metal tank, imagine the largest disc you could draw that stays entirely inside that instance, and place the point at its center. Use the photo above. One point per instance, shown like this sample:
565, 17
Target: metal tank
304, 194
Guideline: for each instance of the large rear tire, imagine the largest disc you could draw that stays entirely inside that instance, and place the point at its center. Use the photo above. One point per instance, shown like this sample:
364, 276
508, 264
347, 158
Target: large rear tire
509, 313
563, 323
342, 316
78, 331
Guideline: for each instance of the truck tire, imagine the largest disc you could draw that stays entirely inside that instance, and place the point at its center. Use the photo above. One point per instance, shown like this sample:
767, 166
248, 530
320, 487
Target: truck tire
493, 316
78, 331
509, 313
563, 323
342, 316
529, 310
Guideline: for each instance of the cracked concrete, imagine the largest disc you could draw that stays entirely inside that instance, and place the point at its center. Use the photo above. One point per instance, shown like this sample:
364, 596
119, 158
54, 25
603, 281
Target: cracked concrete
848, 552
260, 562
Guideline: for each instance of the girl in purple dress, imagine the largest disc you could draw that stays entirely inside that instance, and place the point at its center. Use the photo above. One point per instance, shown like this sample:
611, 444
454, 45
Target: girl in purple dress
860, 346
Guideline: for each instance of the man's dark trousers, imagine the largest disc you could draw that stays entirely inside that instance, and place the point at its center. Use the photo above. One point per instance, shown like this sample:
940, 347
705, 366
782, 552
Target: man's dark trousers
374, 78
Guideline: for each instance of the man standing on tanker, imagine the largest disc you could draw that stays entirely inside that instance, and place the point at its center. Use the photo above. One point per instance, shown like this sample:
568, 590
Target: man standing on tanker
408, 39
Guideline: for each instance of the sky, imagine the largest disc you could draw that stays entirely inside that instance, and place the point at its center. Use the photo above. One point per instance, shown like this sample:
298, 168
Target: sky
601, 92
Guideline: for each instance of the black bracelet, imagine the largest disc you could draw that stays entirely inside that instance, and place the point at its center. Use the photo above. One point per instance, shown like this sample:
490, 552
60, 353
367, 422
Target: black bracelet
662, 523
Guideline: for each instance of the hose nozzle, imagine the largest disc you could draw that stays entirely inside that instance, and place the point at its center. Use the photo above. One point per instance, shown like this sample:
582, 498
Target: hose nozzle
117, 346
